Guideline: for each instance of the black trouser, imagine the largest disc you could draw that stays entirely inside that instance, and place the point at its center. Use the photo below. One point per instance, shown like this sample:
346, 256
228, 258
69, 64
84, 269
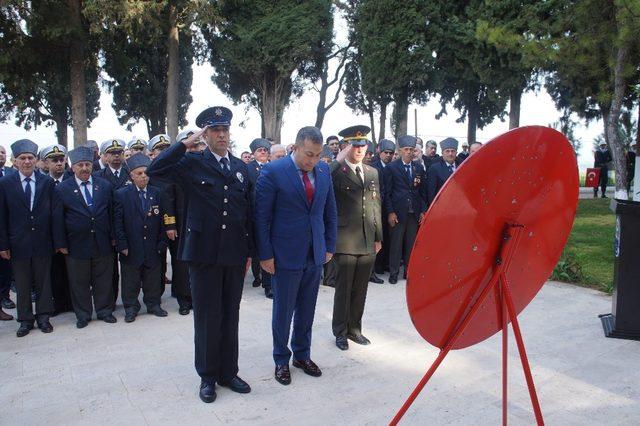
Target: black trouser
5, 278
33, 273
216, 292
402, 238
136, 277
351, 292
604, 179
382, 258
162, 280
330, 271
115, 281
179, 276
89, 277
60, 284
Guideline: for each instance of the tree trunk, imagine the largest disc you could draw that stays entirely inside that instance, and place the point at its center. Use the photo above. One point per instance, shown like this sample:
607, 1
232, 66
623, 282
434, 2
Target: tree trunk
173, 73
274, 98
515, 99
472, 120
372, 124
383, 121
76, 74
400, 112
322, 99
61, 129
611, 124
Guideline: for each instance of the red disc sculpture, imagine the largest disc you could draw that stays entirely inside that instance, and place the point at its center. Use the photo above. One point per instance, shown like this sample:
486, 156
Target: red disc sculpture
488, 242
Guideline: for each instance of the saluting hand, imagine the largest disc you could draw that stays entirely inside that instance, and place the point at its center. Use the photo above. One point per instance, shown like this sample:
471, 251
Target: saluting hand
5, 254
343, 154
172, 234
194, 138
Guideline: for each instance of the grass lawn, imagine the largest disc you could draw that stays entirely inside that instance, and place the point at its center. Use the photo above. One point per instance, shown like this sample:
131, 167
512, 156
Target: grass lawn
588, 257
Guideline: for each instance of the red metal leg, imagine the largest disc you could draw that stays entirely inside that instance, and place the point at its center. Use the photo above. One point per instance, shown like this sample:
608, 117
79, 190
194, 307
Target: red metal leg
522, 351
505, 350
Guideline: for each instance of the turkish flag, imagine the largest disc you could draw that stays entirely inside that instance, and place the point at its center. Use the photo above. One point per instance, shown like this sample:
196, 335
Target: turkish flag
593, 177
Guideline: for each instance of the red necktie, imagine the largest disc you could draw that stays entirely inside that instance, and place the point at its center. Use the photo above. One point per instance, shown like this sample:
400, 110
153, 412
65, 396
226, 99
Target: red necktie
308, 188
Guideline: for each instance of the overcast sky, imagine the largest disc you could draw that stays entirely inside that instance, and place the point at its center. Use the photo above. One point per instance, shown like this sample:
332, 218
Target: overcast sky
537, 109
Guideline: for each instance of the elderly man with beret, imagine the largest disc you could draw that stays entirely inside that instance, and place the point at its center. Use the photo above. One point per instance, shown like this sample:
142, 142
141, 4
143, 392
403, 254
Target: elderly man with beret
440, 171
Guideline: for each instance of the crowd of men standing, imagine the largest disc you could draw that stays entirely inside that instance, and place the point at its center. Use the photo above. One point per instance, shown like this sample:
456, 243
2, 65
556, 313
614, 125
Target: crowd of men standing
79, 228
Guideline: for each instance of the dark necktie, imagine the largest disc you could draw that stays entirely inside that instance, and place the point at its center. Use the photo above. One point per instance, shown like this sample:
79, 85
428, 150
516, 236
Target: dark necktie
450, 168
407, 168
87, 194
1, 172
359, 173
308, 188
56, 182
143, 201
225, 164
116, 174
27, 191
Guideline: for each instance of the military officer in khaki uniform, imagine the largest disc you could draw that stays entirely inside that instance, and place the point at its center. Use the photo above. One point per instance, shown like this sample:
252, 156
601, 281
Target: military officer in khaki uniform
357, 191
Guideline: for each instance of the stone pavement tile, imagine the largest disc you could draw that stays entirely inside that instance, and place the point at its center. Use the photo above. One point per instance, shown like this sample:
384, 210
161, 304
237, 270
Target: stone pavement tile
60, 414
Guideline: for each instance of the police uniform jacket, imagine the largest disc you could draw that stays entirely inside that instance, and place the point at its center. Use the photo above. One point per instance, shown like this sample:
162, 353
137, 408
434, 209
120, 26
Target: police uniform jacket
436, 177
359, 209
26, 232
172, 206
217, 227
400, 193
139, 232
76, 226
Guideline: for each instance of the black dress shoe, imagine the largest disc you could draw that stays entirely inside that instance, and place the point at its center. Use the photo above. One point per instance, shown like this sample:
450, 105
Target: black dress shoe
130, 317
283, 375
237, 385
256, 283
109, 319
82, 323
359, 339
24, 329
342, 343
393, 279
8, 303
268, 293
158, 311
375, 279
207, 392
45, 326
309, 367
184, 310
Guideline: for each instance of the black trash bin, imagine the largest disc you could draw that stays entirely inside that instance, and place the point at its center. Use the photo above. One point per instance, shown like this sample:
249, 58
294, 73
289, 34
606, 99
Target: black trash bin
624, 320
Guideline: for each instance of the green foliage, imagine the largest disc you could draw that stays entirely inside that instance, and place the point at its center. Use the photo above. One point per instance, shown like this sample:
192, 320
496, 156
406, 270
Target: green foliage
265, 51
34, 65
566, 125
133, 35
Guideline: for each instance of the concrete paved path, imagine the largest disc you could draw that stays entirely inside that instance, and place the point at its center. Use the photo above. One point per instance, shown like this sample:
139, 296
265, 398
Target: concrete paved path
142, 373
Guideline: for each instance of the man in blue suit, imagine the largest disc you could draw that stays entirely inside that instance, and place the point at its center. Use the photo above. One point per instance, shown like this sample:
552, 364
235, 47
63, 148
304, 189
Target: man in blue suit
216, 243
140, 239
83, 231
296, 225
404, 199
26, 207
441, 170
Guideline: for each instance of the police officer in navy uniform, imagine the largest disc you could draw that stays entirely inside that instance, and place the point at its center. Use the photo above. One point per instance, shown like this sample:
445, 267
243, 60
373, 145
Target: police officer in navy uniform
83, 231
216, 244
405, 202
439, 172
137, 145
260, 149
55, 157
27, 203
386, 148
140, 240
173, 205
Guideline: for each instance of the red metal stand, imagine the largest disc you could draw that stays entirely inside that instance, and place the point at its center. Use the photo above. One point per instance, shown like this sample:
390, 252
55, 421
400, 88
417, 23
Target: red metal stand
507, 310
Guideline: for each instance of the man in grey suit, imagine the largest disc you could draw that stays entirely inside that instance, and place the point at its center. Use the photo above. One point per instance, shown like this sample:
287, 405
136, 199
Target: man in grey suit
357, 190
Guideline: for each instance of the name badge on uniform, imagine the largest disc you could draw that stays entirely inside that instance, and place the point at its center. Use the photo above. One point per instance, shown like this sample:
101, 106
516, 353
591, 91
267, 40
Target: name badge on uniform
416, 180
155, 210
240, 177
